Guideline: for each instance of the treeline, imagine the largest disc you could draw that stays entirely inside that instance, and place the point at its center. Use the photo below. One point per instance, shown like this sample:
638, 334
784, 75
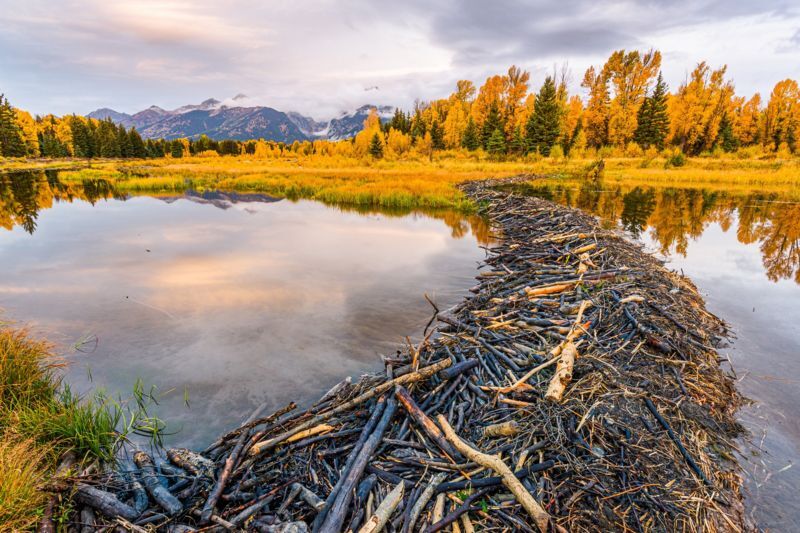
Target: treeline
627, 110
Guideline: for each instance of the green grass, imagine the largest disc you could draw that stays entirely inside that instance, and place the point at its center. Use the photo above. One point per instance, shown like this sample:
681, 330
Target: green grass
41, 419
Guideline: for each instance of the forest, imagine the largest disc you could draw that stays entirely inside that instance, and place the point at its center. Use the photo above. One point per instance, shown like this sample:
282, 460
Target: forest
627, 110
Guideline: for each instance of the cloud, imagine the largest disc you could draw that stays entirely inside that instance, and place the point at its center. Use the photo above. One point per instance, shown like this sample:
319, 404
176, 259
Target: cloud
72, 56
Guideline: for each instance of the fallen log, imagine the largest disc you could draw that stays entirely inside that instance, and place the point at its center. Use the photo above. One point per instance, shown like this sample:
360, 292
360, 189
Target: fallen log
157, 491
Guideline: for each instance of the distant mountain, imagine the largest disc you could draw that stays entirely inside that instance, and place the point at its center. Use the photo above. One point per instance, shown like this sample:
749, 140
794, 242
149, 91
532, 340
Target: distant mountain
307, 125
239, 121
117, 117
349, 124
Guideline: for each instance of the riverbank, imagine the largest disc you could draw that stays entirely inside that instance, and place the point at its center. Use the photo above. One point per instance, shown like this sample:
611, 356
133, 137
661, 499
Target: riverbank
412, 183
580, 361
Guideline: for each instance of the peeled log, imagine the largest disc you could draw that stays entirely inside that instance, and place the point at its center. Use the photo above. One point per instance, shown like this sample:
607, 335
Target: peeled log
537, 512
563, 374
378, 521
506, 429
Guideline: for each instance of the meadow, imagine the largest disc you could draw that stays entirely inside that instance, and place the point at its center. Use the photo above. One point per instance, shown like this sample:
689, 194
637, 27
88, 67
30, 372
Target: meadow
431, 183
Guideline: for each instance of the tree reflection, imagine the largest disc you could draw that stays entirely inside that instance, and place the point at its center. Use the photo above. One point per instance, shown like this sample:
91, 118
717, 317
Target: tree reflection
674, 216
24, 194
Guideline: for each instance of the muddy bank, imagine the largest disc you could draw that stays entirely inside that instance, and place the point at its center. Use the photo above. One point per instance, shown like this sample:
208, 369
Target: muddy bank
579, 388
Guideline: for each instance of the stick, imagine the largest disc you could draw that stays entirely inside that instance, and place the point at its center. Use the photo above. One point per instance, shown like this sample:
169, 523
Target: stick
424, 421
423, 373
374, 418
676, 440
378, 521
522, 495
423, 500
335, 518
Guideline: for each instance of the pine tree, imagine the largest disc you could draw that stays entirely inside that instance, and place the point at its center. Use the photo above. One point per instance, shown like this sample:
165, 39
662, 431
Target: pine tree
652, 118
496, 145
437, 136
726, 138
643, 136
493, 122
544, 125
137, 144
470, 139
518, 143
376, 146
124, 142
12, 143
399, 121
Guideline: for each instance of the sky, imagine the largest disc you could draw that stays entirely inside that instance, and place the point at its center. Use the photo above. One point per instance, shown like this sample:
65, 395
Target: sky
326, 57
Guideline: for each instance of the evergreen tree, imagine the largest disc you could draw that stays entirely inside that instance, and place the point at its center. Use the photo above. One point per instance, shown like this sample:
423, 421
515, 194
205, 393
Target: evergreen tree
12, 143
518, 143
653, 119
137, 144
643, 136
496, 144
726, 138
399, 121
176, 149
437, 136
124, 142
376, 146
418, 128
470, 139
544, 125
493, 122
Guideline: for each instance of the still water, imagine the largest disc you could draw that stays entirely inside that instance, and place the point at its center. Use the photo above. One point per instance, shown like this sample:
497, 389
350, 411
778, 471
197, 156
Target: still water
743, 253
232, 299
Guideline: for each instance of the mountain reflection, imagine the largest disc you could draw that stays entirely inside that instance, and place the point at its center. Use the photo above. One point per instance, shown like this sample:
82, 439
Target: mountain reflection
674, 216
24, 194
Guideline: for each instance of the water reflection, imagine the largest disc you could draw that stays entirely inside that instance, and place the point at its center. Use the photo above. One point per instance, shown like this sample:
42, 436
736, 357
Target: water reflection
675, 216
237, 298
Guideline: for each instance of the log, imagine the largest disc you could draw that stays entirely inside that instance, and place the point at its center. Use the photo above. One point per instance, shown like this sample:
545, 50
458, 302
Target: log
163, 497
421, 374
336, 515
563, 375
424, 422
459, 368
378, 521
369, 427
105, 502
534, 509
192, 462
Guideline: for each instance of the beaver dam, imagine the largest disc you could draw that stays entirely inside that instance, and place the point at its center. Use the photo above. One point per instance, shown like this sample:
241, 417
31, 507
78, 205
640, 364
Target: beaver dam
578, 388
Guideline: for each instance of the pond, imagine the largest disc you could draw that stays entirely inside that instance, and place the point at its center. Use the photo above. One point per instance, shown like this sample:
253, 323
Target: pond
221, 300
742, 250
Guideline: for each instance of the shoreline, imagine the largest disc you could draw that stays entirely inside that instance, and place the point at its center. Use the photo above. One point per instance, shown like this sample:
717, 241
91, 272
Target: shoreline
623, 420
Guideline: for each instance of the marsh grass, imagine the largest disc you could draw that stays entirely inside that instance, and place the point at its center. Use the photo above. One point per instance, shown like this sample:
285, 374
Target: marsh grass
422, 183
41, 418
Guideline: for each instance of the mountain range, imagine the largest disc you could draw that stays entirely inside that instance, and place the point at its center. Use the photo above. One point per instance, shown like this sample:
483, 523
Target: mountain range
237, 120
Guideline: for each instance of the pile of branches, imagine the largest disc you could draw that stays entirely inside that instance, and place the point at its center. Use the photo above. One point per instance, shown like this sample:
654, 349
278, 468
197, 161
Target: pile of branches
578, 389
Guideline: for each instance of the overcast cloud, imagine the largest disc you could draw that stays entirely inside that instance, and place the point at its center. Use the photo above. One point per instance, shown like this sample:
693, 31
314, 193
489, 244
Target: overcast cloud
323, 57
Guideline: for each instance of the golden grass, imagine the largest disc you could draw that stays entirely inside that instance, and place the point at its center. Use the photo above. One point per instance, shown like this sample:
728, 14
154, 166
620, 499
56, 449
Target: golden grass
424, 183
39, 420
23, 469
